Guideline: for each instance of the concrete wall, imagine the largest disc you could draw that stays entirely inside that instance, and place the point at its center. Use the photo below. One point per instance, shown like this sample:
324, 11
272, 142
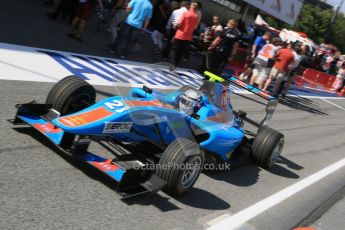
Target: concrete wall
210, 8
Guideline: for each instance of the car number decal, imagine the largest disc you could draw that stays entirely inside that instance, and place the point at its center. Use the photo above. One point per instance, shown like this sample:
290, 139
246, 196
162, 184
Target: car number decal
115, 105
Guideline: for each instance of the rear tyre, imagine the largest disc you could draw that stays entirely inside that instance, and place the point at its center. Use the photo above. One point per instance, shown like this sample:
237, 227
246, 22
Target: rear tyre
267, 147
71, 94
180, 166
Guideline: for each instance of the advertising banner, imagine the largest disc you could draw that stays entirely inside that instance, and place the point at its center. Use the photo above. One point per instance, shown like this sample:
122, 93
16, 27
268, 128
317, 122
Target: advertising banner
285, 10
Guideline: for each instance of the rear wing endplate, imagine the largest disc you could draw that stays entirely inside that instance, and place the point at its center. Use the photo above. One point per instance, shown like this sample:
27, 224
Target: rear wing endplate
272, 101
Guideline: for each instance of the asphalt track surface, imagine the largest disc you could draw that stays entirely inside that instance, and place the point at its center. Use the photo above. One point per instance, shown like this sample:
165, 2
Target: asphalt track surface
41, 189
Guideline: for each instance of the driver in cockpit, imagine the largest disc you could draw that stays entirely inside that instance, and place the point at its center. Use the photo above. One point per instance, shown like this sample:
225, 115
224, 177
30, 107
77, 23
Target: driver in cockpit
190, 101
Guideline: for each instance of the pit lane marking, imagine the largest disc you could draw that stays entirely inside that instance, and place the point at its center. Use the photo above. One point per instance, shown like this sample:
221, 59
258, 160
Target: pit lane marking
338, 106
241, 217
316, 97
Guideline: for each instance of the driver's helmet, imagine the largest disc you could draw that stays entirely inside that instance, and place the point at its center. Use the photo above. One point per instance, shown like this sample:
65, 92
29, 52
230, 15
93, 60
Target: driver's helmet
189, 101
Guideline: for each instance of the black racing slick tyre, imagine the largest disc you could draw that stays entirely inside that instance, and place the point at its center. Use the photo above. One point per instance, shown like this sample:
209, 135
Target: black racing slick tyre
267, 147
180, 166
71, 94
56, 87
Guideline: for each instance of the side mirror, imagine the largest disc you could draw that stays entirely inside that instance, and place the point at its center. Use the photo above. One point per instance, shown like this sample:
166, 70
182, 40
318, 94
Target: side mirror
147, 89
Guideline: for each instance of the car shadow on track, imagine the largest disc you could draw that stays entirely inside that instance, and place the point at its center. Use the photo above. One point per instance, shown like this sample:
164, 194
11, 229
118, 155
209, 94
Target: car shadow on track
152, 199
197, 198
288, 163
304, 104
243, 175
281, 171
248, 174
251, 99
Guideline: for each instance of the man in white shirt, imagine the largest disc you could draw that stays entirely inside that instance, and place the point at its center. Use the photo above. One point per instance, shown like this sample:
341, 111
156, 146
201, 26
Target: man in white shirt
264, 62
172, 22
176, 15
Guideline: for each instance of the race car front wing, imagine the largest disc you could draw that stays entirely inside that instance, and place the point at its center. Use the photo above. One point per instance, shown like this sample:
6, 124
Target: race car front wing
131, 177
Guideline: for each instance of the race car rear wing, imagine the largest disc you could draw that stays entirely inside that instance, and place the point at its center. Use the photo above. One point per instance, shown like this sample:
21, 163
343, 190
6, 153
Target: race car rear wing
242, 84
270, 107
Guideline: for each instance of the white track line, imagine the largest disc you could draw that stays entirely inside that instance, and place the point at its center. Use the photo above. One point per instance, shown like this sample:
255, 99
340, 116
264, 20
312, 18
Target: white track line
338, 106
249, 213
316, 97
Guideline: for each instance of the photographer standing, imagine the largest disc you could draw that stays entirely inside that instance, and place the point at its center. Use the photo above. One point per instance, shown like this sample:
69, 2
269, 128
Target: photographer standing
224, 46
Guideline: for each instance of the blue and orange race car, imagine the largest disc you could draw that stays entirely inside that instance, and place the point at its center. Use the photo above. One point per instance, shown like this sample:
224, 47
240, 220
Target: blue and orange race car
161, 141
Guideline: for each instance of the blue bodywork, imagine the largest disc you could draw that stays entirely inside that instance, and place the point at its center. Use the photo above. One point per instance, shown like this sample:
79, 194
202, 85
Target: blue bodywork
145, 115
141, 116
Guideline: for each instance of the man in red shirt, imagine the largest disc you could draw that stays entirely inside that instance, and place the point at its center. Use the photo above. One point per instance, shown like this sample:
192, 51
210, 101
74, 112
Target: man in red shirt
184, 33
284, 58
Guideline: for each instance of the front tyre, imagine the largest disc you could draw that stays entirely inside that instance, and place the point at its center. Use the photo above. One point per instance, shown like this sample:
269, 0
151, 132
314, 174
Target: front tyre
267, 147
180, 166
71, 94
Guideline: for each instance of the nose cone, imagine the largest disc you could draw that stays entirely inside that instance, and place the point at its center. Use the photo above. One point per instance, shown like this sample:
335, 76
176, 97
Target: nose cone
82, 118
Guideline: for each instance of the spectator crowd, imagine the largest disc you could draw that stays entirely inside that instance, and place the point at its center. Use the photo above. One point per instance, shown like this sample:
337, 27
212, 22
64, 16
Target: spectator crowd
177, 26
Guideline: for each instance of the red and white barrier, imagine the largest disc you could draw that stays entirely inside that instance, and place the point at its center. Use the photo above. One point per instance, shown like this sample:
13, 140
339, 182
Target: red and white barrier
317, 80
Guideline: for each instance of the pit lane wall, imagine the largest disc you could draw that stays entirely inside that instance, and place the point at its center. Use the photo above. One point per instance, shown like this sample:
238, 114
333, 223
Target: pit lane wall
42, 65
